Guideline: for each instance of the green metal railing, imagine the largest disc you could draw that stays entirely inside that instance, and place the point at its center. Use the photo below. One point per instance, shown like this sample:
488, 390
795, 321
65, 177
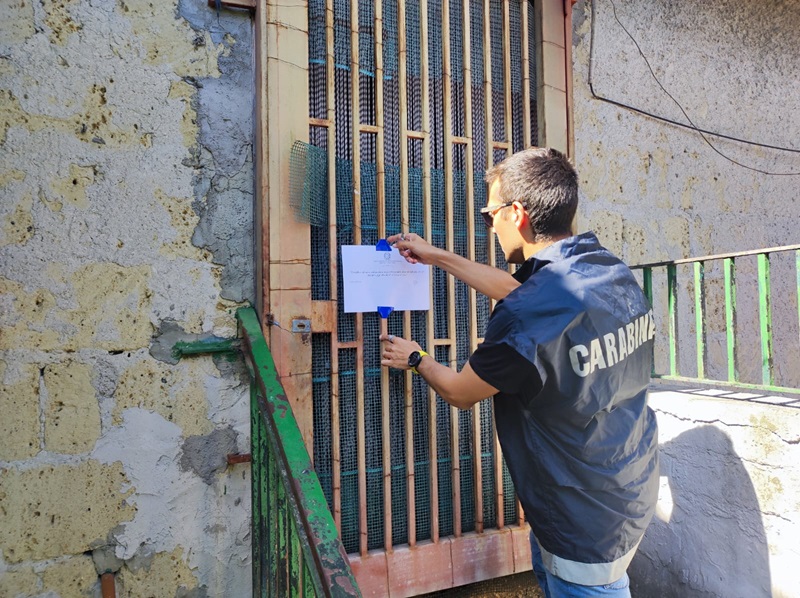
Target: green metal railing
296, 548
765, 301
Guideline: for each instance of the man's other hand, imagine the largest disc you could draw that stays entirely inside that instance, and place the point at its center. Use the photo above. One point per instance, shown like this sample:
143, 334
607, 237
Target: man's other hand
414, 248
396, 351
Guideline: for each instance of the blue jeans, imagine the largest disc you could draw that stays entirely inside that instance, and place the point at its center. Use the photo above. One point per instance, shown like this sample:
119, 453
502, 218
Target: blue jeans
555, 587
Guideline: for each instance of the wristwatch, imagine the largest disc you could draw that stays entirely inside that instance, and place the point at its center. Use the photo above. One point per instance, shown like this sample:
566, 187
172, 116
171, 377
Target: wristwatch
415, 359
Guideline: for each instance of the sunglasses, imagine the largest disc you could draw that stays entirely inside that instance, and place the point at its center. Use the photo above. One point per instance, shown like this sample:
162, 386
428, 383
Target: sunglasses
489, 211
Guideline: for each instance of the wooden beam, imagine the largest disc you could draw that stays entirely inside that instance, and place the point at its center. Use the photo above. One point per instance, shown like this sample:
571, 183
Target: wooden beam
448, 563
490, 146
551, 60
356, 148
331, 323
246, 4
447, 83
261, 215
509, 133
323, 316
282, 53
408, 389
469, 198
428, 211
526, 74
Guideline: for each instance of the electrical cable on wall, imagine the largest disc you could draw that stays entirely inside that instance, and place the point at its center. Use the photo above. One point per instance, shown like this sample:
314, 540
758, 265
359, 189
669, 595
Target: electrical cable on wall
691, 125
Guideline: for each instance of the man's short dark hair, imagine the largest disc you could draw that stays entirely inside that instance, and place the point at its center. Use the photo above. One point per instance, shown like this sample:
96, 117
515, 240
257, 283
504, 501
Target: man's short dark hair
543, 180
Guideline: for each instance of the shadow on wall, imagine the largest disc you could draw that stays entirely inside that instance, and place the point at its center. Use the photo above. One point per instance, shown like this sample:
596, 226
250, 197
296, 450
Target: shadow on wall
707, 538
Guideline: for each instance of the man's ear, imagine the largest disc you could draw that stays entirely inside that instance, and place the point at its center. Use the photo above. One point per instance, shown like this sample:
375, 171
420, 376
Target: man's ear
521, 219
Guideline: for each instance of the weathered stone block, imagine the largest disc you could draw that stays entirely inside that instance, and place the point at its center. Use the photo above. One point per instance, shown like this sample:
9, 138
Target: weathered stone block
18, 225
72, 415
53, 511
19, 405
176, 394
161, 574
73, 578
171, 41
18, 25
72, 188
114, 307
21, 581
112, 313
22, 317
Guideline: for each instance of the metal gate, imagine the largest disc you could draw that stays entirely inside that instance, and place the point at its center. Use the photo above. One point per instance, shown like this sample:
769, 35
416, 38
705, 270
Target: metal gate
409, 104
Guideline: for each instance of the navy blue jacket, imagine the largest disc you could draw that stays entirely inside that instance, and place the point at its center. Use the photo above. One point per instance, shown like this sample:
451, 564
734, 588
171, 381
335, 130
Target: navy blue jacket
580, 441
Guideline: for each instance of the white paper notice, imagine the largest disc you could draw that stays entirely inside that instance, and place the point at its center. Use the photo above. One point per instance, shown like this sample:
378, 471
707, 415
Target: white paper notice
382, 278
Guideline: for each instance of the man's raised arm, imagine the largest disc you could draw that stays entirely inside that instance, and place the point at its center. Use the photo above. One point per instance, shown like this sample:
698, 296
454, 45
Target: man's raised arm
492, 282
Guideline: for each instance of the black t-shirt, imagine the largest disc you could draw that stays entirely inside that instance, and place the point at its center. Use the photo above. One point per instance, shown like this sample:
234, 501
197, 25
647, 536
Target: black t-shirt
505, 369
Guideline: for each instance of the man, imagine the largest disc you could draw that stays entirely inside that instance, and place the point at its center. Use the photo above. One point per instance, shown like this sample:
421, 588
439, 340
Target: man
567, 358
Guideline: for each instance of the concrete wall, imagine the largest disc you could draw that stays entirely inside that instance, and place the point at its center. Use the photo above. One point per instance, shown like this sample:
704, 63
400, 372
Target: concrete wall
655, 191
728, 516
125, 225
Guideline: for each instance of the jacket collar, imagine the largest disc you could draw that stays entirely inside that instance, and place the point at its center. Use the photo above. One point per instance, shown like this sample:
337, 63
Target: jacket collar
559, 250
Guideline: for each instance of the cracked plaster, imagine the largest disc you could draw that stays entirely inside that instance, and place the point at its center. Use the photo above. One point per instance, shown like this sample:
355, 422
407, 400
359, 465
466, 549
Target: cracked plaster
126, 127
729, 499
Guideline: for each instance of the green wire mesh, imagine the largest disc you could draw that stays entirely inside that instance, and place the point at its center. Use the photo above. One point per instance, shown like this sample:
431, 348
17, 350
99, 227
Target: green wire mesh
309, 198
308, 183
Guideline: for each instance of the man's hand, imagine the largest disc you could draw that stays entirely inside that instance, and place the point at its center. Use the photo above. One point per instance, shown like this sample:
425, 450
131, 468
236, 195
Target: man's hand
461, 389
490, 281
415, 249
396, 351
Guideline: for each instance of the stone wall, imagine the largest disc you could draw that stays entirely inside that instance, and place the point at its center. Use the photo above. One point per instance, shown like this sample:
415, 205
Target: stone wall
125, 225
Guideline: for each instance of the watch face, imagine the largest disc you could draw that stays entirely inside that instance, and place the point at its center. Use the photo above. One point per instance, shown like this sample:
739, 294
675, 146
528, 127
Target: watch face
414, 359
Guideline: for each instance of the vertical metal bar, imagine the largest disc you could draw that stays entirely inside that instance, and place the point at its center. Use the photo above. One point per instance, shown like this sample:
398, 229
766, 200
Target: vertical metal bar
295, 560
256, 474
336, 445
266, 504
356, 146
473, 297
526, 75
700, 332
765, 318
647, 284
729, 267
455, 461
274, 511
509, 131
381, 218
507, 75
402, 75
301, 570
487, 92
386, 433
672, 305
426, 201
282, 548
